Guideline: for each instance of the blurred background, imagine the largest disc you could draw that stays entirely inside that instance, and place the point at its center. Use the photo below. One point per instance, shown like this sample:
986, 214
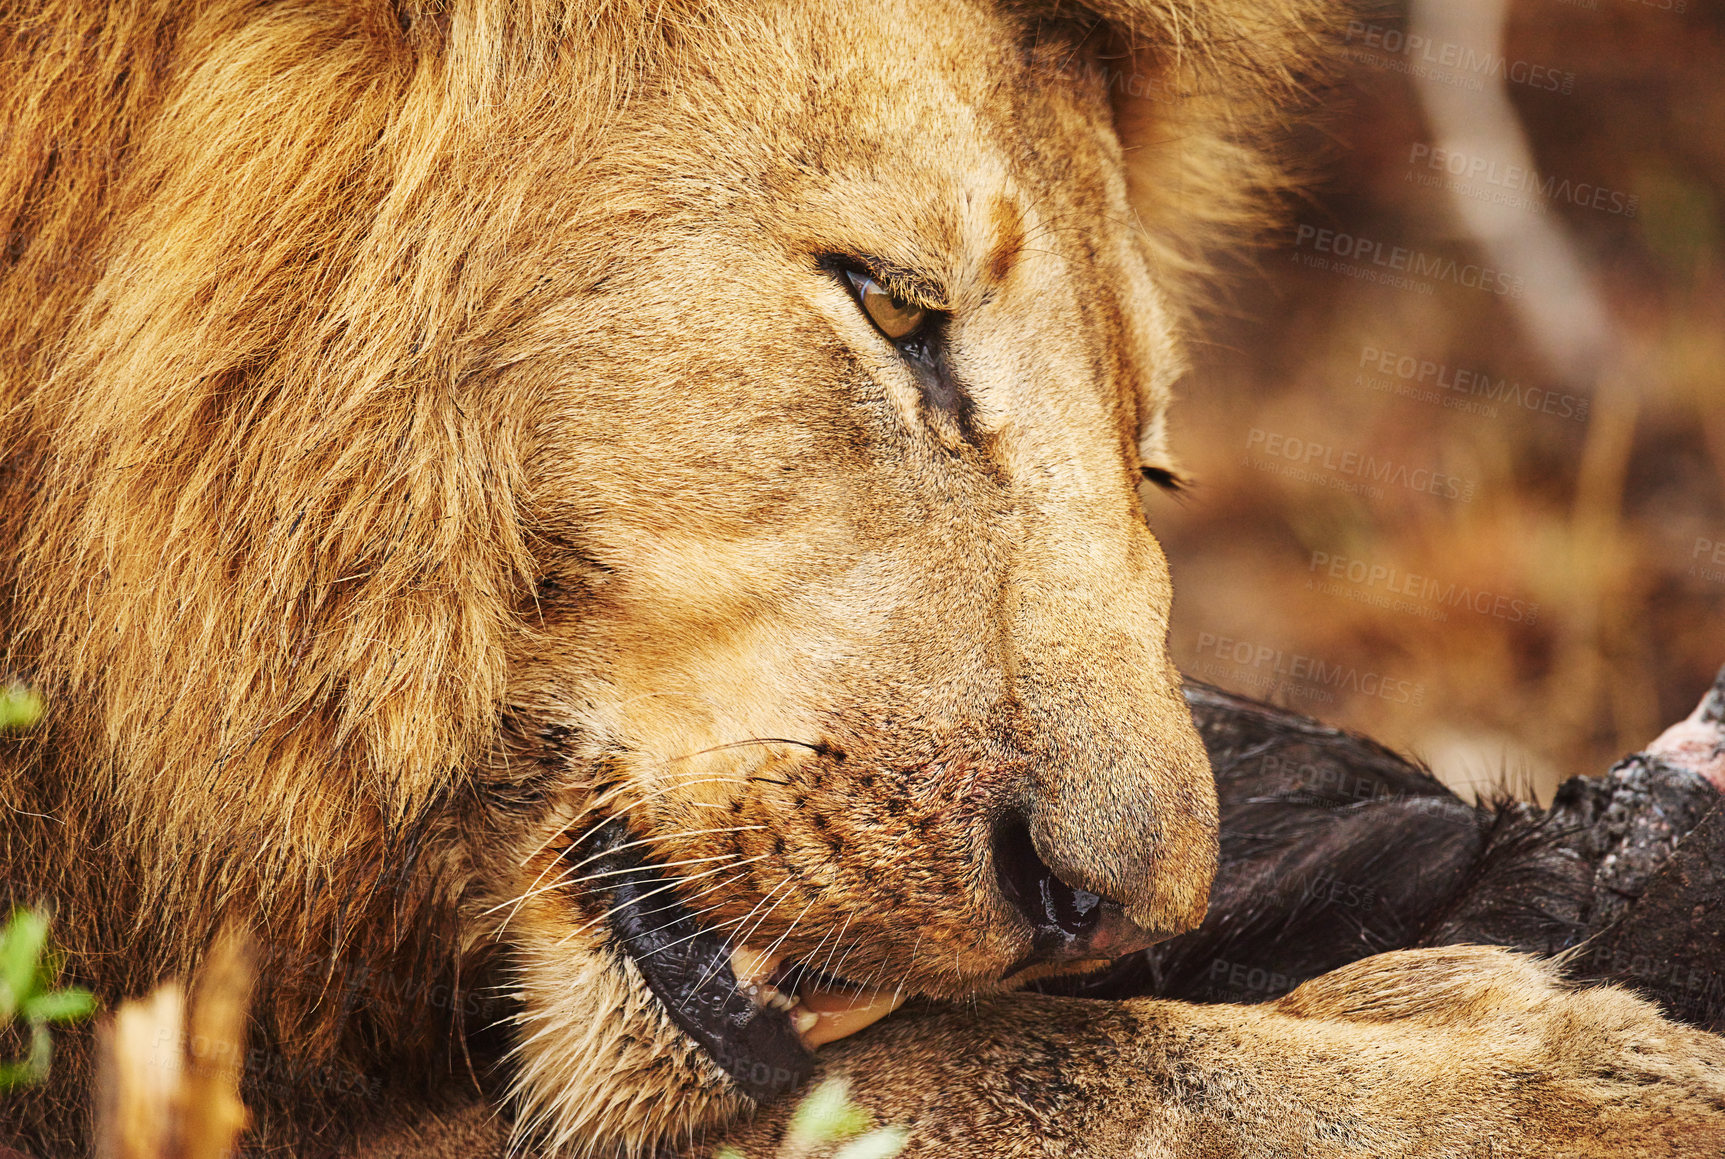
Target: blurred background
1458, 447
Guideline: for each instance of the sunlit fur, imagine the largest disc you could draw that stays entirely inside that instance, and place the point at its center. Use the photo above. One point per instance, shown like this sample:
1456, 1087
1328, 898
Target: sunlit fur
430, 431
1455, 1050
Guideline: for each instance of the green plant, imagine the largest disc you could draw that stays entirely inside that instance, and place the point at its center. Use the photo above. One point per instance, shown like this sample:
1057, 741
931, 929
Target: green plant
827, 1116
20, 707
28, 1000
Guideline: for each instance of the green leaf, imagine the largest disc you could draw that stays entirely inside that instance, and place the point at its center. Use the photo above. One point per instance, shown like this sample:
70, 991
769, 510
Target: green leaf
20, 707
885, 1143
47, 969
34, 1067
27, 972
14, 1075
60, 1007
20, 950
826, 1116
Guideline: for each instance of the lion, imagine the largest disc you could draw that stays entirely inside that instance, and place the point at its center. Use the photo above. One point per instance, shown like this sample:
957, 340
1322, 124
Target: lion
644, 708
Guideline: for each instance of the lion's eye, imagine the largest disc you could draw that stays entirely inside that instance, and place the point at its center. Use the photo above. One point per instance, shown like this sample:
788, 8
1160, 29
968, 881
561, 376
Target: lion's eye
896, 319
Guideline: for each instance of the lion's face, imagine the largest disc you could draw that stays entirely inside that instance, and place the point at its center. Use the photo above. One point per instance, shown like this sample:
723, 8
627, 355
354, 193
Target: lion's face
852, 619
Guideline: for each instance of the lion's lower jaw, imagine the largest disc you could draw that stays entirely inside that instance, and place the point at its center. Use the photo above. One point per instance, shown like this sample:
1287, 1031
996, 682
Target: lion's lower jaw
600, 1069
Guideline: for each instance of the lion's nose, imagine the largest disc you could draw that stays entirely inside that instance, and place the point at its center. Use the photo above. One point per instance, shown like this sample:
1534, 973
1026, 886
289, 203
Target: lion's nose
1067, 923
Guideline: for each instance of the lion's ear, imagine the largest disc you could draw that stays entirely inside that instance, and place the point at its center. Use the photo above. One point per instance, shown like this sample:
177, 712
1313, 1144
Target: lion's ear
1204, 97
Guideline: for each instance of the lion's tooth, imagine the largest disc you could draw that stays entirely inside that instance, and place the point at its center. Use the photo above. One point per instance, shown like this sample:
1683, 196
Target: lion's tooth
753, 967
839, 1013
818, 1016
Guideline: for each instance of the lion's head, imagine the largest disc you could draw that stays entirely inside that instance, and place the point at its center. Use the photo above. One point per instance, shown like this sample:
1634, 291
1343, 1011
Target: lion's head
642, 495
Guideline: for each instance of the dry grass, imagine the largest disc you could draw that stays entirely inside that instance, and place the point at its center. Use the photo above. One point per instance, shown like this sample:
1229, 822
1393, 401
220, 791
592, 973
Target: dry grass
169, 1083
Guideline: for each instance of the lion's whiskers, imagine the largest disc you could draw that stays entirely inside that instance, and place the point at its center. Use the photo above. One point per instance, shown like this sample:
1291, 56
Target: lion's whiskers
695, 913
670, 885
779, 941
787, 880
534, 888
820, 749
564, 881
605, 800
662, 837
837, 934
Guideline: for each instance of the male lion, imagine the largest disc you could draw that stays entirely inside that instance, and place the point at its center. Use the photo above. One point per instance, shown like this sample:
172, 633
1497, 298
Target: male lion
623, 515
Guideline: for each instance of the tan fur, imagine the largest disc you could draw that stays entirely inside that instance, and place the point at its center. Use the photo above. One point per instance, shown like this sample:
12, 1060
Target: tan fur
430, 431
1464, 1051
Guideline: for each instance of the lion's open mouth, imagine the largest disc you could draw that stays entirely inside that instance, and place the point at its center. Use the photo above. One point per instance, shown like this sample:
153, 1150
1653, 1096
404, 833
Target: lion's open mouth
756, 1015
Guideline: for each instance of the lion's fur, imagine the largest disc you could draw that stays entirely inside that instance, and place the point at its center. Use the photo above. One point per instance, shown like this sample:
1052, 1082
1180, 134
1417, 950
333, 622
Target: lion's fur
419, 442
1464, 1050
